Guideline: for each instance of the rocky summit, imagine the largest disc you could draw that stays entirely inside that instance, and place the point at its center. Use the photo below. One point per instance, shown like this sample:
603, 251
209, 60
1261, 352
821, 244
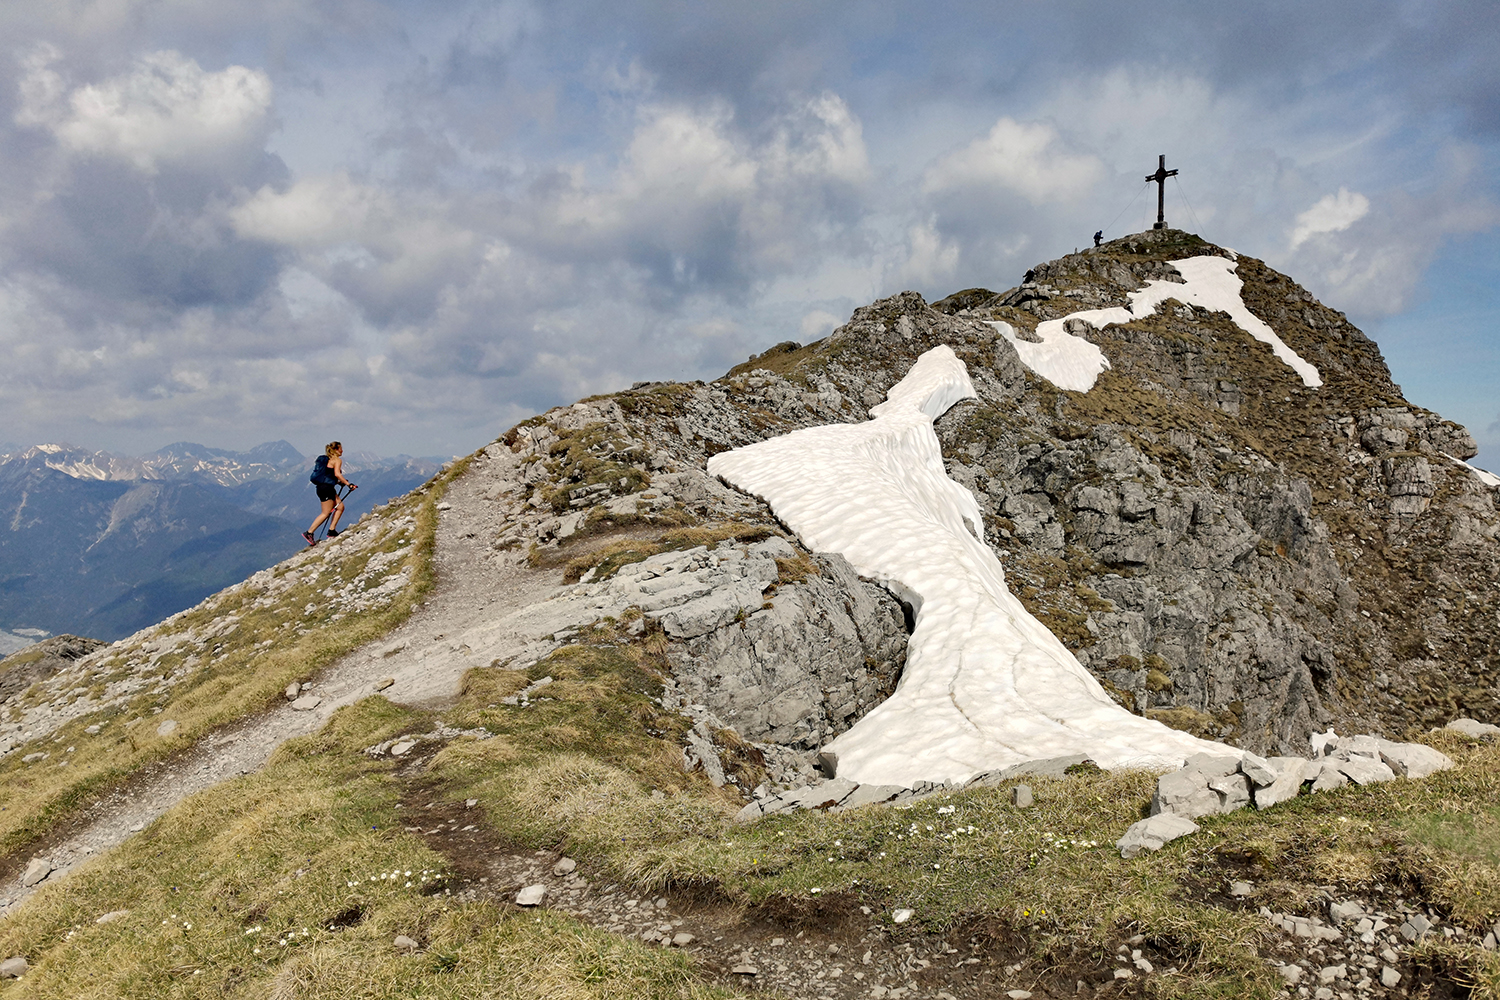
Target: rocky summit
576, 674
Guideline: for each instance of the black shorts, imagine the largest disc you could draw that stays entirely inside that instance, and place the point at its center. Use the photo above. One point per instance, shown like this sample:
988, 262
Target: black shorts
327, 491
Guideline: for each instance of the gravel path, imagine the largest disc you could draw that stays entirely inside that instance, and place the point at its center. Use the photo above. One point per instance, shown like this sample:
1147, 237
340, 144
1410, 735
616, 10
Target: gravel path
425, 658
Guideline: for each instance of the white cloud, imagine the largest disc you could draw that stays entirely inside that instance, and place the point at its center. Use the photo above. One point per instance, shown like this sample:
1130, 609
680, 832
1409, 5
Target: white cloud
1333, 213
1028, 158
817, 323
314, 213
930, 259
167, 108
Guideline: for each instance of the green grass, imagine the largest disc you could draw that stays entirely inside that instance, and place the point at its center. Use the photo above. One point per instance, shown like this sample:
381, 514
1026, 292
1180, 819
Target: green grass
265, 638
233, 894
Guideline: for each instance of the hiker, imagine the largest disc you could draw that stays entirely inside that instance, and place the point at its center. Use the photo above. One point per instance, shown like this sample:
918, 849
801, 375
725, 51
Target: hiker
1098, 236
328, 476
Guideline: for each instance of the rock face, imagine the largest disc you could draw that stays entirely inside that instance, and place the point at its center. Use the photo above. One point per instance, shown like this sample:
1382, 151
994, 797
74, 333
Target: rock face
803, 670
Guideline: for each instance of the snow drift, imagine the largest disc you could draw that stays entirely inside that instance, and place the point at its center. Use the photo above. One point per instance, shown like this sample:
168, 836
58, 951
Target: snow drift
986, 685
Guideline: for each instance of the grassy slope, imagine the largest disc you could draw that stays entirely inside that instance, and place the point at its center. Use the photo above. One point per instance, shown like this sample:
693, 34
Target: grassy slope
292, 882
241, 678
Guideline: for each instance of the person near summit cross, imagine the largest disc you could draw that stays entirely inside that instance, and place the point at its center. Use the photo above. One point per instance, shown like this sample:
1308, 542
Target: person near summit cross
328, 476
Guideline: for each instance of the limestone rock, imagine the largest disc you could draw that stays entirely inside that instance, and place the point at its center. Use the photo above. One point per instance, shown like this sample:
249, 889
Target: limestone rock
36, 871
1330, 776
1154, 833
1413, 760
1365, 770
1020, 796
1287, 784
404, 943
167, 727
306, 703
293, 690
1184, 793
1258, 770
1474, 728
564, 867
14, 967
111, 916
532, 895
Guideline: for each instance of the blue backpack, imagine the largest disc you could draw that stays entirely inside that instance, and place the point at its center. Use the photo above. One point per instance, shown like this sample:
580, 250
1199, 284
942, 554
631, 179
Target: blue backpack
320, 473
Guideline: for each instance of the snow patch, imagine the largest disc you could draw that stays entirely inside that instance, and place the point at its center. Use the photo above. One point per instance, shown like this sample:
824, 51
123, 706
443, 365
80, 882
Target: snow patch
986, 685
1072, 363
1487, 478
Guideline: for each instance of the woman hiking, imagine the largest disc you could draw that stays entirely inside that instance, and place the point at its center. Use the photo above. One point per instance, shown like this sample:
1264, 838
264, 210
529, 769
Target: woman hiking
328, 476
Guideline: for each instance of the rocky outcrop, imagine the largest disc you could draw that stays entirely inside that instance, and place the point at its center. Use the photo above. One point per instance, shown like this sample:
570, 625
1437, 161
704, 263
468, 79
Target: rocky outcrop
806, 667
38, 662
1227, 550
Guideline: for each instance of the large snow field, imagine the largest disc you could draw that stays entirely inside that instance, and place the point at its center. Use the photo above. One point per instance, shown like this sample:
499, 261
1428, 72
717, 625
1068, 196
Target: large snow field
1073, 363
986, 685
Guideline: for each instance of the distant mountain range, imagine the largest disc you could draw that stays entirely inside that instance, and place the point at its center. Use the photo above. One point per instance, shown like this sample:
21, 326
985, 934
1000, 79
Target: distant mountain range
101, 545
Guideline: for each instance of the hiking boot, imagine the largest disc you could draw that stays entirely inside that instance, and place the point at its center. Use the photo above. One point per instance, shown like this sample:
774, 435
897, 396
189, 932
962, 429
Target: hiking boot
310, 539
333, 534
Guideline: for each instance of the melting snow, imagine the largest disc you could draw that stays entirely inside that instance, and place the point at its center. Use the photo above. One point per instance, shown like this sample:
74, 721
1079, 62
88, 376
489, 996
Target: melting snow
1073, 363
986, 685
1487, 478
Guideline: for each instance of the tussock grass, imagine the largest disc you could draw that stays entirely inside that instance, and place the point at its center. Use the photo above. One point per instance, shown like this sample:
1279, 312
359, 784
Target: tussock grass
272, 642
233, 894
593, 762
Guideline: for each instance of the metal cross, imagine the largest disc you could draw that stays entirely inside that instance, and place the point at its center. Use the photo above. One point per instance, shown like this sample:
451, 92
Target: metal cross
1160, 177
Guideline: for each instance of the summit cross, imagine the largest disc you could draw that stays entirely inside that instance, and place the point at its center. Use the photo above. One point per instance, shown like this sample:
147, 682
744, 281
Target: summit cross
1160, 177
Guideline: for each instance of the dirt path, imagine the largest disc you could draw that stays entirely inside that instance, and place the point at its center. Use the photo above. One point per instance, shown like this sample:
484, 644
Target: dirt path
425, 658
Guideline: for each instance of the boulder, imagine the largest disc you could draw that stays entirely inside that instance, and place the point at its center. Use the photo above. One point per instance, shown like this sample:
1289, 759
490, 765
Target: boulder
1258, 770
1329, 776
1184, 793
1365, 770
38, 869
1234, 791
1287, 784
1413, 760
14, 968
1474, 728
1212, 765
1154, 833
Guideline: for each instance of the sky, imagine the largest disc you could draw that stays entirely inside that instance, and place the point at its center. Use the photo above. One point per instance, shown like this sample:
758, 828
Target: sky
410, 225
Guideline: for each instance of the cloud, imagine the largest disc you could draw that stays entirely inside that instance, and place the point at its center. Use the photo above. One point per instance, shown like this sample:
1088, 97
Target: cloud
930, 260
699, 203
1333, 213
816, 324
166, 109
1026, 158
